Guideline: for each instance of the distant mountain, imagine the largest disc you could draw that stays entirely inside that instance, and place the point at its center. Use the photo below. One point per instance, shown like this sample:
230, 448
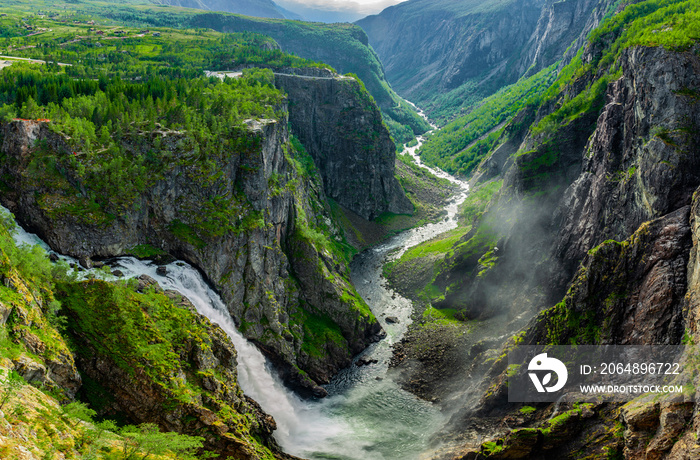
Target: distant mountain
258, 8
446, 55
321, 11
315, 14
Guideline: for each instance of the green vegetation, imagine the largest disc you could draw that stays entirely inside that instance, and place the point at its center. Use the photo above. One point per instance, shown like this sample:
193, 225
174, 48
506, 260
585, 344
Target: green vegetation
418, 268
133, 108
136, 331
533, 161
669, 23
462, 144
146, 440
309, 224
72, 432
491, 448
527, 410
478, 242
155, 342
133, 442
440, 245
319, 245
552, 430
34, 313
477, 201
568, 327
592, 99
442, 317
560, 421
320, 333
421, 77
344, 46
415, 271
459, 147
105, 123
10, 385
145, 251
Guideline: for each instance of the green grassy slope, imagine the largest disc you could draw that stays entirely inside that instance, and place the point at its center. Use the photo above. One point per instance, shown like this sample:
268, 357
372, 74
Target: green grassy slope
462, 144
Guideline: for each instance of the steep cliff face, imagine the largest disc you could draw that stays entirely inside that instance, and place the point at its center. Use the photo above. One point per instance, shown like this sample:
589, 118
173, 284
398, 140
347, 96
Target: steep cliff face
631, 292
561, 31
33, 347
234, 217
432, 48
429, 48
564, 193
134, 351
342, 129
599, 210
641, 162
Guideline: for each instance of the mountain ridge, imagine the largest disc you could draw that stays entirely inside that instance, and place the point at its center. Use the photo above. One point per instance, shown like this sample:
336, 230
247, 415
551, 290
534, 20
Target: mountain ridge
470, 52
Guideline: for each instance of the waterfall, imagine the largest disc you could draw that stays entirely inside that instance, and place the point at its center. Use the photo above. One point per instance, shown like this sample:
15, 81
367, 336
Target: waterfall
300, 424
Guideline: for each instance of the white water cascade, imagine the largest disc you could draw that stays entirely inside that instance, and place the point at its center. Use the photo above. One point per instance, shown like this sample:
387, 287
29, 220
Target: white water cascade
300, 423
366, 416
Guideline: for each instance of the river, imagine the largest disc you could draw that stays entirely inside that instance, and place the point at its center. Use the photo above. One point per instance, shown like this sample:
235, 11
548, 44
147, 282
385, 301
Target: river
366, 416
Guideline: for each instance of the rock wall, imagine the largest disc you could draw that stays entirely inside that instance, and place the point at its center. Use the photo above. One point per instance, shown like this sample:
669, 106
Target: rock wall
562, 29
642, 161
60, 337
342, 129
598, 177
433, 50
343, 46
23, 302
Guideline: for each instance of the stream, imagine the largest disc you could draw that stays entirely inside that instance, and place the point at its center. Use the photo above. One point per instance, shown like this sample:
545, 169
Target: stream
366, 416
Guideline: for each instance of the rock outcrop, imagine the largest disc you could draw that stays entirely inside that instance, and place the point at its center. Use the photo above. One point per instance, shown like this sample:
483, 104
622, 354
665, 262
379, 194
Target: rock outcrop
598, 177
186, 383
630, 292
24, 305
237, 226
342, 129
344, 47
137, 353
562, 29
